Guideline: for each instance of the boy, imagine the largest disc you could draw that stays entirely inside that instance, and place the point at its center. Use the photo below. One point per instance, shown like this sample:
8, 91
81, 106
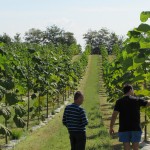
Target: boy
75, 120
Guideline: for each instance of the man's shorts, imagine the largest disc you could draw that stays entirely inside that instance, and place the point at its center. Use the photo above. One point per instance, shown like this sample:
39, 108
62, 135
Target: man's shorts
130, 136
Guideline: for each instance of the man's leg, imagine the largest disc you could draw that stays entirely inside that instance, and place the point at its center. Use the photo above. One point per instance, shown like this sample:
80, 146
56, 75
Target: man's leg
80, 141
125, 138
72, 141
135, 146
136, 138
126, 146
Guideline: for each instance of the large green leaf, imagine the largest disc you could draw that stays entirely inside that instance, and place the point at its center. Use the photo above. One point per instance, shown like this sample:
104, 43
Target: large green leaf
144, 27
11, 98
8, 84
20, 123
31, 50
2, 52
133, 33
5, 112
139, 60
142, 92
144, 16
127, 63
4, 130
19, 110
144, 44
139, 78
133, 47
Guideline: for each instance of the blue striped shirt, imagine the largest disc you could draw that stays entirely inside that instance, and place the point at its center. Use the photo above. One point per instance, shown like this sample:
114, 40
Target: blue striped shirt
74, 118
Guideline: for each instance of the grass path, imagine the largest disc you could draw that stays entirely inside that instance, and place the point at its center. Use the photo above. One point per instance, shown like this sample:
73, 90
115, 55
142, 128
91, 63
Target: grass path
97, 134
54, 136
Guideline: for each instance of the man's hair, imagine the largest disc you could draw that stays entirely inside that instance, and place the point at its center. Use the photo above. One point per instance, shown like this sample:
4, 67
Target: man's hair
127, 88
77, 95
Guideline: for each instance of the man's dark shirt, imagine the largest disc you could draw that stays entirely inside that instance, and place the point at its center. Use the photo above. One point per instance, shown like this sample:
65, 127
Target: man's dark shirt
129, 113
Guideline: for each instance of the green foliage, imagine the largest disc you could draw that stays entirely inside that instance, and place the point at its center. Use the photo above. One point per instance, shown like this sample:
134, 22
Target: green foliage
116, 50
16, 134
104, 53
131, 65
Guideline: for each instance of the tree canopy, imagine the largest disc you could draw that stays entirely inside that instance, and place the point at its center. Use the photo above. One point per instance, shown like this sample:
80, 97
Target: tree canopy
102, 37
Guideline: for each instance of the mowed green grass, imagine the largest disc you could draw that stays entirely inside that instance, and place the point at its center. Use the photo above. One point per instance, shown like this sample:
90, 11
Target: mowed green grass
97, 134
54, 136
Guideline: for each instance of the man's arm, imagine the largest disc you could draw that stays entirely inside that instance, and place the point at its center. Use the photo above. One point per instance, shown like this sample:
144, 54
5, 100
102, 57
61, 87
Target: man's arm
112, 122
148, 103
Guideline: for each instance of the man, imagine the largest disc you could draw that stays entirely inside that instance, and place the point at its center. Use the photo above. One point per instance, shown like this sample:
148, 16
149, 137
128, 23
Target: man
75, 120
128, 108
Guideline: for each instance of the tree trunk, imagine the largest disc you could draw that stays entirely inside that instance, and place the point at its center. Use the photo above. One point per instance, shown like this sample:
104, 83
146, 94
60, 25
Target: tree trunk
6, 137
39, 110
65, 95
28, 118
145, 137
47, 105
68, 93
58, 100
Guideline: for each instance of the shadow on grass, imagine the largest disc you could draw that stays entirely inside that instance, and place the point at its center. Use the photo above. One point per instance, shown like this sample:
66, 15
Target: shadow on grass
92, 136
115, 135
105, 105
106, 114
104, 146
94, 126
103, 95
107, 119
105, 109
101, 133
118, 147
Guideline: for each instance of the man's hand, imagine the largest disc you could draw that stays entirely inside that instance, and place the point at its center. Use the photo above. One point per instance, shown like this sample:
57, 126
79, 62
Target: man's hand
148, 103
112, 122
111, 131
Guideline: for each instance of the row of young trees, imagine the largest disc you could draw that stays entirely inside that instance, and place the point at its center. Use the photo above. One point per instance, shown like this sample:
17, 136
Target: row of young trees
131, 66
51, 35
55, 35
32, 78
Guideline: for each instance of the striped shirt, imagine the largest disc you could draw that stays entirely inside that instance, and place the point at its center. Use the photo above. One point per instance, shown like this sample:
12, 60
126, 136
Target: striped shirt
74, 118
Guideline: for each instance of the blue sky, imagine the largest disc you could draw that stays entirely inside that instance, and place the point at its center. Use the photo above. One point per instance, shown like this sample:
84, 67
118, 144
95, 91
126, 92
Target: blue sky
77, 16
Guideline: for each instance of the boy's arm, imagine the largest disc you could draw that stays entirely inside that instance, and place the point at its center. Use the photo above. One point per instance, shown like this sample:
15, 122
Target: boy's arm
84, 118
112, 122
64, 118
